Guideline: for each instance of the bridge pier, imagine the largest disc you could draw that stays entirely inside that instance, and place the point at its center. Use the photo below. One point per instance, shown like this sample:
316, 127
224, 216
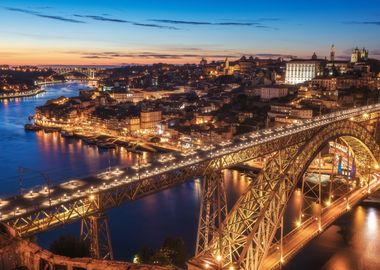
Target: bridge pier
213, 209
95, 230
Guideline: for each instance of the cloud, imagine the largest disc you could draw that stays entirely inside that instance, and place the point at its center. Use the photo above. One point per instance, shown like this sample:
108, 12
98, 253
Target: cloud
59, 18
144, 55
342, 57
374, 52
377, 23
96, 57
256, 23
205, 23
269, 19
156, 26
271, 55
22, 10
181, 22
102, 18
41, 15
163, 55
108, 19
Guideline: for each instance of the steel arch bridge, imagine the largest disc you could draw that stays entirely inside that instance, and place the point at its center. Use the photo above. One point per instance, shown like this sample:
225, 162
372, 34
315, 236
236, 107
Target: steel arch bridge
245, 239
251, 235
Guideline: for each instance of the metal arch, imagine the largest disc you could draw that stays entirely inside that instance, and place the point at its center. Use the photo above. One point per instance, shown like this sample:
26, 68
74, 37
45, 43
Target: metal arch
306, 155
251, 225
361, 151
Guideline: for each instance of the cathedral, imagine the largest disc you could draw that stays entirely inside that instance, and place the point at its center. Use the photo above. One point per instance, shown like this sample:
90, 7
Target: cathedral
359, 55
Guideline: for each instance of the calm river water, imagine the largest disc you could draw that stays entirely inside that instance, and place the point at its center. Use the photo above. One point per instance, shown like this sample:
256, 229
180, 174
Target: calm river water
353, 242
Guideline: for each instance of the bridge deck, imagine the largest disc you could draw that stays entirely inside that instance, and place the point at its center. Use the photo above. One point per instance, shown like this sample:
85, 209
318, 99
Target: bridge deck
296, 240
240, 149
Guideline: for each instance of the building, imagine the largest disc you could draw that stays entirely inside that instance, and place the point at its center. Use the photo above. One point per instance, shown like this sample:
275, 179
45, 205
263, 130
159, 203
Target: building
127, 96
150, 119
271, 92
325, 83
359, 55
302, 70
301, 113
133, 124
285, 114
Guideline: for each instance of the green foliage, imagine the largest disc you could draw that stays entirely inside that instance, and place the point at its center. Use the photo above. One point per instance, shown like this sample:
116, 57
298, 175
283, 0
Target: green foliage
70, 246
171, 253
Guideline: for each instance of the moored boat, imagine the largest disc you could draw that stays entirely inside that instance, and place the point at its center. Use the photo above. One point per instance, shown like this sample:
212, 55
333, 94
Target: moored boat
66, 133
31, 127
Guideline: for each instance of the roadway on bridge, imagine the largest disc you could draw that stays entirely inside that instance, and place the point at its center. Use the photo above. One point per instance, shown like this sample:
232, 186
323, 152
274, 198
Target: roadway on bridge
45, 197
296, 240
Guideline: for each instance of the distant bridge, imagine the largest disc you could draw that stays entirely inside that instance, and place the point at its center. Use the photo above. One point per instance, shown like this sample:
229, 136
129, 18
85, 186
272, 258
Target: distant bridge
251, 235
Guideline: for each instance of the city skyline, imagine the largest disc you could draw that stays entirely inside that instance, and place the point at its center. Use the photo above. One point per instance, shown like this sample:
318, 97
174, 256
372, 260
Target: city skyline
114, 33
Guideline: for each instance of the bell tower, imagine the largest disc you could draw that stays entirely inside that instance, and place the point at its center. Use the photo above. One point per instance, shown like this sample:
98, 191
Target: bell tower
332, 53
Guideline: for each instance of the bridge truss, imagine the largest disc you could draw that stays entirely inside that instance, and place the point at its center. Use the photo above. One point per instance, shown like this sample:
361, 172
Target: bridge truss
248, 233
242, 238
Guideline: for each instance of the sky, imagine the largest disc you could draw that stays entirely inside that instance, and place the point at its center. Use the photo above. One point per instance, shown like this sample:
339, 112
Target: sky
120, 32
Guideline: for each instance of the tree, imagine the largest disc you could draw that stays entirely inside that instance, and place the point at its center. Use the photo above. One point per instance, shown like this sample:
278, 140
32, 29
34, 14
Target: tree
144, 255
70, 246
171, 253
177, 251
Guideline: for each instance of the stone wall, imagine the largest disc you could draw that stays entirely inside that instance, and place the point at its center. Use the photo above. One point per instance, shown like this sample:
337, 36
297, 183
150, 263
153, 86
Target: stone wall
16, 253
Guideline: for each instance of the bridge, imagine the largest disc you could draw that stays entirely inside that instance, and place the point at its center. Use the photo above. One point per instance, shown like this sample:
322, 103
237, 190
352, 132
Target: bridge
251, 235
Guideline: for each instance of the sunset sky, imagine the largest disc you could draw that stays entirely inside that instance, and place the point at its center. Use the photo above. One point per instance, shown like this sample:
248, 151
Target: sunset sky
112, 32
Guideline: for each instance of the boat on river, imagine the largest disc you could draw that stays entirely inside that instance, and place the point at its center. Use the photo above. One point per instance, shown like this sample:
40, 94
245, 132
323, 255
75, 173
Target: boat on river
66, 133
106, 145
31, 127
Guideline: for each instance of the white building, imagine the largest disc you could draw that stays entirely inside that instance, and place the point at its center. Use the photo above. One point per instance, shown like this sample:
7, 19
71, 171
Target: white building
268, 93
299, 71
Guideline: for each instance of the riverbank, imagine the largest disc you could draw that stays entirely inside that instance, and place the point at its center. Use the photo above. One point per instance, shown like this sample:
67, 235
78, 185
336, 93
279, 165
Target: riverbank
29, 93
104, 141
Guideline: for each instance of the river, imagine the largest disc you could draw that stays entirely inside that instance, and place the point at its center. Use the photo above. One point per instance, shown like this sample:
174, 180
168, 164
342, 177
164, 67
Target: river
350, 243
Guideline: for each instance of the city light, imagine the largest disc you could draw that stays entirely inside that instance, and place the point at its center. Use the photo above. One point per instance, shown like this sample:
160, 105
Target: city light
223, 148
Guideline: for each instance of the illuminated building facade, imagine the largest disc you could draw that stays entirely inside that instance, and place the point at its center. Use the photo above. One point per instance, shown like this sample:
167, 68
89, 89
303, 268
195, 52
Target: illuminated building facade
359, 55
150, 119
300, 70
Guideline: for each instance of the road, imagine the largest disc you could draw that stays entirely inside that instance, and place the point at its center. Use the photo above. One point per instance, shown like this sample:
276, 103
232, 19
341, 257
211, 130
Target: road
298, 238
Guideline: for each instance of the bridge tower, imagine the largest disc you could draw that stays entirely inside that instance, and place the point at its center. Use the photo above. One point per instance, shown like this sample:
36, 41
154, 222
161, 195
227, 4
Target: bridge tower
213, 210
95, 230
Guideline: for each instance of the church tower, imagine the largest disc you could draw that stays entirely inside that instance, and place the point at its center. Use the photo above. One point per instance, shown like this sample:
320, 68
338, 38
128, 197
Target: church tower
332, 53
227, 63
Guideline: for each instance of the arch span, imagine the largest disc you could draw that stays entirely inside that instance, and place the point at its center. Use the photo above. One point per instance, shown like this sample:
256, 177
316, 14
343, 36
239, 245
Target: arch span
250, 227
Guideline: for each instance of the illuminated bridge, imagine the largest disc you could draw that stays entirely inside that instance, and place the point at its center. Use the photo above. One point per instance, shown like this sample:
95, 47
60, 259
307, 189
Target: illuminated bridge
251, 235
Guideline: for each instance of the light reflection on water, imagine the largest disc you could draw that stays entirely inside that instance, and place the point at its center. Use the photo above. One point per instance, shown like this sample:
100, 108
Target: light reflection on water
351, 243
